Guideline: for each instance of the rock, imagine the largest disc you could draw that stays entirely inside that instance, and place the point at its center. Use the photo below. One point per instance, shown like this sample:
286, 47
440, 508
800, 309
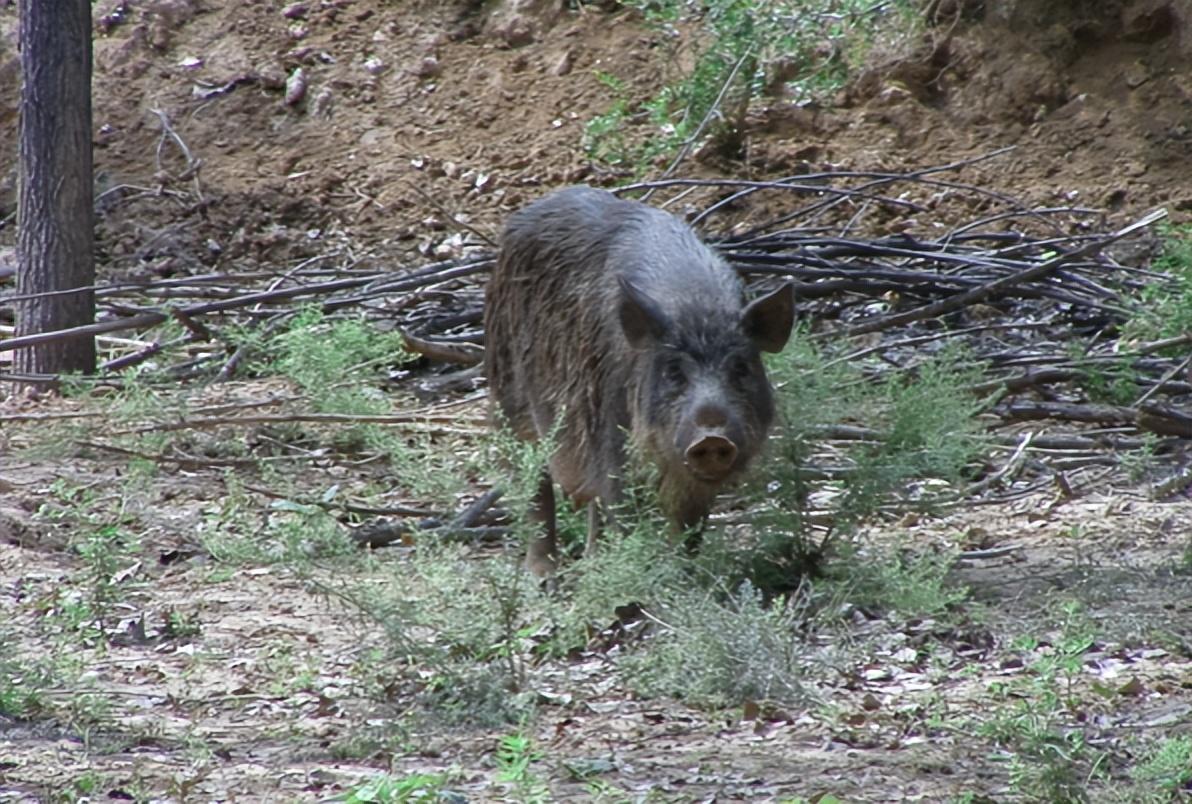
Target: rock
515, 31
1150, 20
563, 65
295, 87
323, 103
295, 11
429, 67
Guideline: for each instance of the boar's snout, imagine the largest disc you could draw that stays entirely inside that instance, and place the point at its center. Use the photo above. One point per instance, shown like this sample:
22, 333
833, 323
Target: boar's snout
712, 457
711, 450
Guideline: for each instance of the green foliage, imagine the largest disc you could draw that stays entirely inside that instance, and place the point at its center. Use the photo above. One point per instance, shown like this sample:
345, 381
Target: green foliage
1165, 308
1114, 383
913, 586
1050, 758
333, 360
22, 684
604, 136
721, 650
469, 622
1167, 768
927, 433
340, 365
516, 754
745, 47
236, 531
107, 547
931, 431
418, 788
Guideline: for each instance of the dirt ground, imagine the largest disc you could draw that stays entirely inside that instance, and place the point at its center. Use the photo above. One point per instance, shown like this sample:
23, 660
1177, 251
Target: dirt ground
236, 137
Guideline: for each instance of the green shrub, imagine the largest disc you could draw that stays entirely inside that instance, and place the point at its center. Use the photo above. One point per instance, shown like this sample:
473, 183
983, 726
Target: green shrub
722, 650
1165, 307
744, 47
1167, 768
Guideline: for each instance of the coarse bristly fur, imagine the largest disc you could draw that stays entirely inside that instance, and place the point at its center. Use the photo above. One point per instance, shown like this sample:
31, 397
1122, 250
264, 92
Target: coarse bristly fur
607, 317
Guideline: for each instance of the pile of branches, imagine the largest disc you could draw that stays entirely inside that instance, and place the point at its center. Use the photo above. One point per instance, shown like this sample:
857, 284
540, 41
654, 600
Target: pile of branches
1025, 288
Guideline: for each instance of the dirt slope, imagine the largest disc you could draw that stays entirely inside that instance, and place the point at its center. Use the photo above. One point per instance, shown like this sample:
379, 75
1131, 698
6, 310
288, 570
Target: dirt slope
414, 113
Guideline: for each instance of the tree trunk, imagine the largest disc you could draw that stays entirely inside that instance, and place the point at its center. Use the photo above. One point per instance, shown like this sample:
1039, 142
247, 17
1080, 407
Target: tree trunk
55, 259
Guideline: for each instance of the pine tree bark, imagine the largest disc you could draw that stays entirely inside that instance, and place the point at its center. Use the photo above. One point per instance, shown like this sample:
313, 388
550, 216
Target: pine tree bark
55, 218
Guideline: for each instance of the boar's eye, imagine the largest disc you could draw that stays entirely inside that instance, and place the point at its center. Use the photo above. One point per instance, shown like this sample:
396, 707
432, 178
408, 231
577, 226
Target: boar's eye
740, 369
673, 373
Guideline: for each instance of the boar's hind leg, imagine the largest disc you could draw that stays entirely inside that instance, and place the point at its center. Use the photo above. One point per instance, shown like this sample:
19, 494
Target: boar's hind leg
600, 517
542, 557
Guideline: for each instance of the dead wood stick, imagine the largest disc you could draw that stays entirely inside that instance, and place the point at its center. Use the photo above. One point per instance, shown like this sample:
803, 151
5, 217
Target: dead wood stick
465, 354
334, 418
976, 294
1166, 343
37, 417
1157, 419
146, 319
915, 341
467, 517
1011, 468
1165, 420
384, 532
396, 510
183, 461
1044, 375
125, 361
132, 322
1154, 389
990, 552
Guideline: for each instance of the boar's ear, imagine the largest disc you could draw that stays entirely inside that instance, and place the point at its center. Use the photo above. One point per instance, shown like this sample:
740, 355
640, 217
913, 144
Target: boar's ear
768, 320
640, 316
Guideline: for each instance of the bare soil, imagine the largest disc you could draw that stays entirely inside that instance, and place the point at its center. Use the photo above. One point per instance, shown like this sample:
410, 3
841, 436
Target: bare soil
421, 125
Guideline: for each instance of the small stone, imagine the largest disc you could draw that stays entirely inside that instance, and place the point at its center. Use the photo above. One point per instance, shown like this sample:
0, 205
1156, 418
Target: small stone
516, 31
564, 64
1132, 167
323, 102
295, 87
429, 67
295, 11
1136, 75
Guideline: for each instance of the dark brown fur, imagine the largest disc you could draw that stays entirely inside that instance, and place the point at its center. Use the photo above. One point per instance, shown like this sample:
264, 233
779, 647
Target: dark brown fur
606, 318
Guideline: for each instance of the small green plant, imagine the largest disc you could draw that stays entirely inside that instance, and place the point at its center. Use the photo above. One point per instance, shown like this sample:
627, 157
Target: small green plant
1140, 463
716, 651
1165, 307
515, 757
1113, 383
84, 787
604, 136
22, 684
236, 531
913, 586
1050, 758
334, 360
106, 545
466, 622
417, 788
1167, 768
